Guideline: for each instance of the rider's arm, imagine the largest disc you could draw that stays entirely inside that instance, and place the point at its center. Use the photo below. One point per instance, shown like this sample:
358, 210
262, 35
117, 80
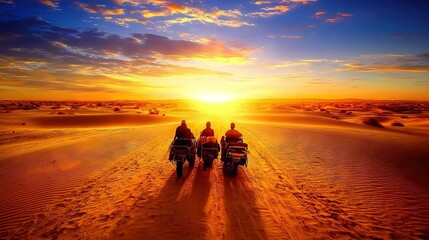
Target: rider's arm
175, 135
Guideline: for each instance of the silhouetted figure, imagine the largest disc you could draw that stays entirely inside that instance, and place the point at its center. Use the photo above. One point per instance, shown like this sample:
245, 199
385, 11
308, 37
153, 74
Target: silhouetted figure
233, 134
232, 137
207, 131
183, 131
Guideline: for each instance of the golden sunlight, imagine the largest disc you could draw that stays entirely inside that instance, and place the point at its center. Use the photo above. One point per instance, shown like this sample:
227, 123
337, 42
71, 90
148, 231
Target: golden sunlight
217, 106
214, 97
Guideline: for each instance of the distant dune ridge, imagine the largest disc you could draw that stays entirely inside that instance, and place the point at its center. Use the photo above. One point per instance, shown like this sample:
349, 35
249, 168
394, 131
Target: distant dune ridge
99, 120
317, 170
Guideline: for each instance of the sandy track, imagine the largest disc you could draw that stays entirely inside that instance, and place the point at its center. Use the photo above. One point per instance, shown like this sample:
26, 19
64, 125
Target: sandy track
140, 197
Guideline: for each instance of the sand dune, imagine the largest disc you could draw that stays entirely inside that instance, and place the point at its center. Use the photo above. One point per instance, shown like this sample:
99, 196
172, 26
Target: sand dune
311, 175
99, 120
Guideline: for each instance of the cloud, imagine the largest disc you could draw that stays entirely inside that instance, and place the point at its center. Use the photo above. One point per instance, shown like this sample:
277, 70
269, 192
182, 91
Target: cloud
302, 62
340, 17
345, 14
301, 1
140, 2
316, 60
269, 11
389, 63
7, 1
99, 8
291, 36
286, 36
50, 3
287, 64
38, 38
261, 2
39, 54
126, 21
164, 14
228, 18
318, 14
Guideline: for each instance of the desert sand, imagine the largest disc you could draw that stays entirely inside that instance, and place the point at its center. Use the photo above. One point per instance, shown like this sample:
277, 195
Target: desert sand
317, 170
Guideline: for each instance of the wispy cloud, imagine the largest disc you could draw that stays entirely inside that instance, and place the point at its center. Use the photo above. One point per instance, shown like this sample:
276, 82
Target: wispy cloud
269, 11
261, 2
302, 62
102, 9
288, 64
389, 63
340, 17
319, 14
50, 3
7, 1
286, 36
126, 21
141, 2
300, 1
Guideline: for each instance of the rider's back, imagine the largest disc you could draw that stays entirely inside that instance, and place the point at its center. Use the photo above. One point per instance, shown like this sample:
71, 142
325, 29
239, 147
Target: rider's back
183, 132
207, 132
233, 135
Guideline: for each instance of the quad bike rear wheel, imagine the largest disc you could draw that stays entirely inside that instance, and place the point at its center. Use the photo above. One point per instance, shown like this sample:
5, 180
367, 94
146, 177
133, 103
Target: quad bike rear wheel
179, 168
234, 169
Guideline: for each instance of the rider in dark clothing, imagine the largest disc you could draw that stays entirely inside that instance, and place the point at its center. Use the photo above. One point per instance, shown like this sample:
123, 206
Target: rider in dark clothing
207, 131
183, 131
232, 136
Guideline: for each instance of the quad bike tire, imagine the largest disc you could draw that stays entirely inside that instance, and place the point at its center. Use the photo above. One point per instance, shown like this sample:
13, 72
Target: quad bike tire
192, 161
179, 168
225, 167
234, 169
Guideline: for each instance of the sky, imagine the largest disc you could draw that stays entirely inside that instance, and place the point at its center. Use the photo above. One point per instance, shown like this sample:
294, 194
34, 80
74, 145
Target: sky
214, 50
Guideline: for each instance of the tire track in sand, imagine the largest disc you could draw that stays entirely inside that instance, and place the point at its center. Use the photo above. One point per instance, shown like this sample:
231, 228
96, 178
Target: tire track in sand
297, 204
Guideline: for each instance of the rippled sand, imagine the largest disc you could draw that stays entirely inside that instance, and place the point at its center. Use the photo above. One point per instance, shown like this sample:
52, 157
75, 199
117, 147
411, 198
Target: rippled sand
311, 174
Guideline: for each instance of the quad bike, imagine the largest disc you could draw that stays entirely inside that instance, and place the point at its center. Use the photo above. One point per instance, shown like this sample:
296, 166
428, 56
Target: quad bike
234, 154
208, 150
208, 155
182, 150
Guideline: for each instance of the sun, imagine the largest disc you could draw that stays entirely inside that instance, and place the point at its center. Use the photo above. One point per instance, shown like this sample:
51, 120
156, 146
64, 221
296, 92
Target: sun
214, 97
216, 103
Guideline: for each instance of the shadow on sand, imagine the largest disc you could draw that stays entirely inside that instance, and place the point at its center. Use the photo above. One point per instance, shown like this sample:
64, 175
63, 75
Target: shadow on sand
176, 212
242, 213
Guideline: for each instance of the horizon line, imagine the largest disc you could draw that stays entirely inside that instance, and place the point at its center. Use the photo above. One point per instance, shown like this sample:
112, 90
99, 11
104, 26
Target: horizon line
233, 100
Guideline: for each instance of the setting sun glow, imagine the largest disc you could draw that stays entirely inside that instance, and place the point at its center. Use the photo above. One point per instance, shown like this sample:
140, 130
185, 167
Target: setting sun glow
214, 97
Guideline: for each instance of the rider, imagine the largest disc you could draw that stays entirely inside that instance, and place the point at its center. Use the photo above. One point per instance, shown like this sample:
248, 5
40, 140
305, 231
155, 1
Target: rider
233, 134
183, 131
208, 131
